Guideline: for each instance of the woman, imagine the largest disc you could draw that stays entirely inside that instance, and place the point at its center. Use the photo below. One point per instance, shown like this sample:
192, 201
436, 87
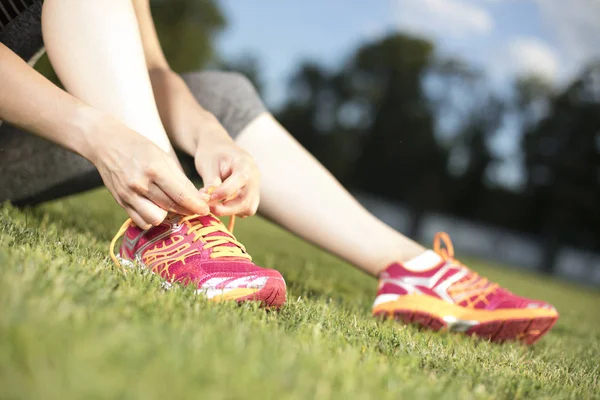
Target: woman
124, 112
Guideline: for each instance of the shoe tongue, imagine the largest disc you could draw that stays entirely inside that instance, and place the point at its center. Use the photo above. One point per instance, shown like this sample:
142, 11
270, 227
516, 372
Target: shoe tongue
207, 220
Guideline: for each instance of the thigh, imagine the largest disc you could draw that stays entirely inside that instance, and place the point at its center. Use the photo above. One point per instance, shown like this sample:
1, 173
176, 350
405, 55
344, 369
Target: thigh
33, 170
230, 96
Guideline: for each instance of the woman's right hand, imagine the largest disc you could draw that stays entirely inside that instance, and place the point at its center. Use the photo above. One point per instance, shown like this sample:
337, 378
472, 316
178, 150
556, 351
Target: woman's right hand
143, 179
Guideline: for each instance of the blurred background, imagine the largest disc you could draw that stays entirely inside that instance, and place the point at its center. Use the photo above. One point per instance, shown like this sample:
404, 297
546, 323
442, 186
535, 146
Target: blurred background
477, 117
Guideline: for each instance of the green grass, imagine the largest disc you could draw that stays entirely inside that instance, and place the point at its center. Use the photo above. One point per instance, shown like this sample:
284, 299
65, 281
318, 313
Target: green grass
73, 327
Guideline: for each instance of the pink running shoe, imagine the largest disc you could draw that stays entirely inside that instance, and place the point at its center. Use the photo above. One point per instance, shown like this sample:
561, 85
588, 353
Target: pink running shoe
448, 295
202, 252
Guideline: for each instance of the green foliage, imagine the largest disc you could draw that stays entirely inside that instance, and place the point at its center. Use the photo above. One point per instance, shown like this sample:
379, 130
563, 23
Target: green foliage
186, 29
562, 157
401, 137
73, 327
380, 122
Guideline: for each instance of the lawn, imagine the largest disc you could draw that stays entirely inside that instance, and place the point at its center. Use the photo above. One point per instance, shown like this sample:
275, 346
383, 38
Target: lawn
73, 327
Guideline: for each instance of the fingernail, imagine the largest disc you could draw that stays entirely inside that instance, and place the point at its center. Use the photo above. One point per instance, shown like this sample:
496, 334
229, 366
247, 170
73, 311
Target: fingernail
216, 196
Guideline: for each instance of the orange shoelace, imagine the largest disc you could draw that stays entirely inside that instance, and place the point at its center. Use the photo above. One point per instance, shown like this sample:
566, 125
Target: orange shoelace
474, 285
217, 242
221, 245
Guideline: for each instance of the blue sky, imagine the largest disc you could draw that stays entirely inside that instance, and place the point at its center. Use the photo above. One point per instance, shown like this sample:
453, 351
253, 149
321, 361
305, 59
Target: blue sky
506, 38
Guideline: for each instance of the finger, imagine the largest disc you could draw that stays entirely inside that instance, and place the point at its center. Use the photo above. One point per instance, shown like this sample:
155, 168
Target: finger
148, 211
234, 207
242, 206
231, 186
182, 191
211, 175
137, 219
164, 201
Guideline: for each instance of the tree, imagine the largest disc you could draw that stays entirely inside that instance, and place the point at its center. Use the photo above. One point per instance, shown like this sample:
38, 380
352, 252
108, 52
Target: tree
369, 121
186, 30
376, 122
562, 155
401, 157
461, 96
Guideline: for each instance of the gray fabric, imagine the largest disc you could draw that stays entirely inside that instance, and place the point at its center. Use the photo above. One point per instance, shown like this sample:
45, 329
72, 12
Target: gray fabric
21, 27
31, 166
230, 96
33, 170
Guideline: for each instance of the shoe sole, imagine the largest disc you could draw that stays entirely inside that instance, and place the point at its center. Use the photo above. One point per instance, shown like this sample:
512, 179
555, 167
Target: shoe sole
524, 325
271, 295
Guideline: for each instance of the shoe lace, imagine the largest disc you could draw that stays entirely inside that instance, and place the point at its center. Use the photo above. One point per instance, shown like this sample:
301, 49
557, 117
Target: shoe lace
220, 244
224, 245
475, 288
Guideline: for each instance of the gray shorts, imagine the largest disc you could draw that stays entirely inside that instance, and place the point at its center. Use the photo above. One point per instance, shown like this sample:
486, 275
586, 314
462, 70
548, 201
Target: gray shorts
33, 170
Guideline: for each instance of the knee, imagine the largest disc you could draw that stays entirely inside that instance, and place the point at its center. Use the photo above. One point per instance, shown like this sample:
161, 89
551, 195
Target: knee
230, 96
225, 85
238, 83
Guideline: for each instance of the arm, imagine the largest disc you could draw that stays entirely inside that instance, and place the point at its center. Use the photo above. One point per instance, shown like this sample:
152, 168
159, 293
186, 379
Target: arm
220, 162
133, 169
31, 102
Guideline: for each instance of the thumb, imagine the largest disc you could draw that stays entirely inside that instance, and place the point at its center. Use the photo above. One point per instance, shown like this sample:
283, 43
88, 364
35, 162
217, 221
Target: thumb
211, 175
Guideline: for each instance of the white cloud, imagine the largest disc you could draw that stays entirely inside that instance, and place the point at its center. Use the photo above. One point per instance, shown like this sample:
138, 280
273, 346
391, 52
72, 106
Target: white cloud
576, 26
442, 18
531, 56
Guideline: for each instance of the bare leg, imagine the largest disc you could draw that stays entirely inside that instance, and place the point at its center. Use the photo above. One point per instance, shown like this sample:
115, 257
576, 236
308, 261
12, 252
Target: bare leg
96, 50
298, 193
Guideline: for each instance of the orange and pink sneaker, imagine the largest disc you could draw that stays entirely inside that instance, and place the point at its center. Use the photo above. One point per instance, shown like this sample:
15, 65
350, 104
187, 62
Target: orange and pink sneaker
436, 291
200, 251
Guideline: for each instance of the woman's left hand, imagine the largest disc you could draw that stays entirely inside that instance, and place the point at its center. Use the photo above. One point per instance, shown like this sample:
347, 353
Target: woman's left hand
230, 170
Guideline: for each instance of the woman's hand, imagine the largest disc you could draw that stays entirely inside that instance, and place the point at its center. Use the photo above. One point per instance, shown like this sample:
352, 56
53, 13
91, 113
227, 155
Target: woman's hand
142, 178
229, 169
219, 161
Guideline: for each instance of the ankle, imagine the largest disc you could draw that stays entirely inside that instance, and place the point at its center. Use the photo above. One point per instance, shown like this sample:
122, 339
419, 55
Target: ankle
400, 255
425, 260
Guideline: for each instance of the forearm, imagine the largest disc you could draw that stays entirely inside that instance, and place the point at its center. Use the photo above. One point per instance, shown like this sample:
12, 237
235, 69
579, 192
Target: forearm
185, 121
30, 101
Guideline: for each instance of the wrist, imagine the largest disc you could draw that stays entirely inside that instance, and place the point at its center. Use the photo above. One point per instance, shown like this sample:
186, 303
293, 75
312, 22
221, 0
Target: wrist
188, 125
210, 134
85, 126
